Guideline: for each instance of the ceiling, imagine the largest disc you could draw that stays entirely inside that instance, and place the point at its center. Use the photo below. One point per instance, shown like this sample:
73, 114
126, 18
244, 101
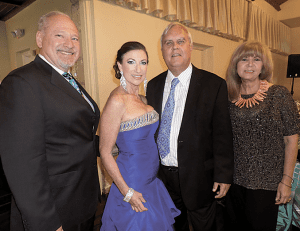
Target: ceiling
9, 8
276, 3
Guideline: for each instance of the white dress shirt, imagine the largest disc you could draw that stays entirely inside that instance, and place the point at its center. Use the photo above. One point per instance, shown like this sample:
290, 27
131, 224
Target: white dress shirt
181, 92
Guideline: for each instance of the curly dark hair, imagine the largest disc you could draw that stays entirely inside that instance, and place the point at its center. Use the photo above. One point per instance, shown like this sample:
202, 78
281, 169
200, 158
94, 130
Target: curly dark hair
126, 47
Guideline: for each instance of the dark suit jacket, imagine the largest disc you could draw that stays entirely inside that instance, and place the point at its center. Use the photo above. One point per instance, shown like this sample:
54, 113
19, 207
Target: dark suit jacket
47, 147
205, 152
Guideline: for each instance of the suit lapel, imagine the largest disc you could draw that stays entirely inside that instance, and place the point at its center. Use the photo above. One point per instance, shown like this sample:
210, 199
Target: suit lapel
59, 81
195, 89
160, 91
97, 112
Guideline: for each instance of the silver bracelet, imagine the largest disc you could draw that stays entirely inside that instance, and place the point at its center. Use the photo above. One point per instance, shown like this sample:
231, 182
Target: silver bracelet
128, 195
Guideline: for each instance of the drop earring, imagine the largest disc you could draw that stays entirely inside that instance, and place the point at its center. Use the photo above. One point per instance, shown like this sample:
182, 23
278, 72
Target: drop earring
145, 85
123, 81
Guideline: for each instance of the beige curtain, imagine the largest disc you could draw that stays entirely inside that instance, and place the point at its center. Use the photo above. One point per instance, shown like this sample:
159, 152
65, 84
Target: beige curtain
264, 28
232, 19
221, 17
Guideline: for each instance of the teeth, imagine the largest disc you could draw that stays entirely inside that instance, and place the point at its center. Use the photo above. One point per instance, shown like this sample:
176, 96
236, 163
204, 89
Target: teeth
67, 53
175, 55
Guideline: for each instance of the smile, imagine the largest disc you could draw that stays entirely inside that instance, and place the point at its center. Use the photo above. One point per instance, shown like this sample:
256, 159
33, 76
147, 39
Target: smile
137, 76
66, 53
175, 55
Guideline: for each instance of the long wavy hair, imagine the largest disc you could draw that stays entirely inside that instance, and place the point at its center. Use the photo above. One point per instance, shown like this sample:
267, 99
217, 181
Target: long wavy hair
250, 48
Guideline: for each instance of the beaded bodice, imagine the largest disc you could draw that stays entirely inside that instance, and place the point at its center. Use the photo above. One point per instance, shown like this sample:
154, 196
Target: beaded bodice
141, 121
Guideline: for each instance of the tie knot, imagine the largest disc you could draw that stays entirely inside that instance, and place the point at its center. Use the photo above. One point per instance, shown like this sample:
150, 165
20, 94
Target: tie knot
175, 81
67, 75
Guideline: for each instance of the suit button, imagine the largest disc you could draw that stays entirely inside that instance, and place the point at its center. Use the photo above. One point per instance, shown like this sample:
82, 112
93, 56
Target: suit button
93, 118
180, 144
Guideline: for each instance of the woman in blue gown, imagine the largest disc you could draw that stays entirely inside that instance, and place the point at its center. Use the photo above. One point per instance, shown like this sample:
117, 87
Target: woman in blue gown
137, 200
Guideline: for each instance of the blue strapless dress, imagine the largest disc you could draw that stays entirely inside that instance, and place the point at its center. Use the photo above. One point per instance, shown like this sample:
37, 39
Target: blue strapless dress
138, 162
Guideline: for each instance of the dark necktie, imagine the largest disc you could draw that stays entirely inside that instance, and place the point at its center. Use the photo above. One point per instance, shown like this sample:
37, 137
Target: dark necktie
163, 138
72, 81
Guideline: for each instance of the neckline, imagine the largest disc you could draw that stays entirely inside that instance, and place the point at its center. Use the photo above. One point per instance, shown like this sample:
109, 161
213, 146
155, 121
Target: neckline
138, 117
140, 121
256, 98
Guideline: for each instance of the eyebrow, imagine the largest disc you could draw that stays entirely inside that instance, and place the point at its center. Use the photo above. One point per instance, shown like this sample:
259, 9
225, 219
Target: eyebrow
182, 38
135, 59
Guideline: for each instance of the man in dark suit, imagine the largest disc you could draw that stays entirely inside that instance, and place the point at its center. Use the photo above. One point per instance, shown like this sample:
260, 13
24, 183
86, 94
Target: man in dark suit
47, 136
198, 164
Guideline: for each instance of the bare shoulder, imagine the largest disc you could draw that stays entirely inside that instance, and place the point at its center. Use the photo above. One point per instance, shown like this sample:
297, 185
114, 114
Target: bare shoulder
116, 97
115, 103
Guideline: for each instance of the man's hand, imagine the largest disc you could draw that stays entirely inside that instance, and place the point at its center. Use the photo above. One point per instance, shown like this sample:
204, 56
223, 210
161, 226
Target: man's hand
223, 189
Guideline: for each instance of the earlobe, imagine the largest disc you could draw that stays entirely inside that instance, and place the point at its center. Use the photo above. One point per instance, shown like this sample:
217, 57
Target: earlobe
39, 39
119, 66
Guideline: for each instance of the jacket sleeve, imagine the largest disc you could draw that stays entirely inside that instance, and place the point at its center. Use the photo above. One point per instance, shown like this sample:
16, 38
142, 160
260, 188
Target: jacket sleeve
222, 138
23, 153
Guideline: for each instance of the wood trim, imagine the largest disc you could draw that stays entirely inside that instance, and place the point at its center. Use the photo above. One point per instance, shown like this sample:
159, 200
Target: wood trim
88, 46
89, 55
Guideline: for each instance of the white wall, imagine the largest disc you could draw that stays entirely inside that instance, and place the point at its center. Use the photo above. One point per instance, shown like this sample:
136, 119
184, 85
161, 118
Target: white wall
4, 57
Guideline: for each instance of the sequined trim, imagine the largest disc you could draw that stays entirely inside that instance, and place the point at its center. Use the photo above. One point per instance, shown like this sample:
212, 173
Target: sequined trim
141, 121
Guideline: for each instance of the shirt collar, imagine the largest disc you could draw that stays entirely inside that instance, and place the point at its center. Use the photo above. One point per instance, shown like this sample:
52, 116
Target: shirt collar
54, 67
184, 76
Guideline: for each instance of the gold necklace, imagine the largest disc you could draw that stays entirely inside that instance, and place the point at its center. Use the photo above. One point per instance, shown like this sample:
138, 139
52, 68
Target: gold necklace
258, 96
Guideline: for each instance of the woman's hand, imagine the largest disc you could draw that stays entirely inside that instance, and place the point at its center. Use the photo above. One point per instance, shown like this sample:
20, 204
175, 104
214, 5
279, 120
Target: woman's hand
283, 193
137, 201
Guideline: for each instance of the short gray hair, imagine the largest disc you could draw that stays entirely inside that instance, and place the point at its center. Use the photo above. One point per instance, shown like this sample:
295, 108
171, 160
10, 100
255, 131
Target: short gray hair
43, 21
170, 26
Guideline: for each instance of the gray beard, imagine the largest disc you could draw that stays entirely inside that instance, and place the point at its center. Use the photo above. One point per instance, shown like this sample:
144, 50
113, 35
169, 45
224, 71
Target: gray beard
65, 65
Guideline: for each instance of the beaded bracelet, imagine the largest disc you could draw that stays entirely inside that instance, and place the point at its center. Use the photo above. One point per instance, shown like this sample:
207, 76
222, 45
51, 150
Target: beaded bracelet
285, 184
289, 177
128, 195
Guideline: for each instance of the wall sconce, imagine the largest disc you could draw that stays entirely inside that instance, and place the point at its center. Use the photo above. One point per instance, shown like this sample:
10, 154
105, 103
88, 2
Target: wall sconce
18, 33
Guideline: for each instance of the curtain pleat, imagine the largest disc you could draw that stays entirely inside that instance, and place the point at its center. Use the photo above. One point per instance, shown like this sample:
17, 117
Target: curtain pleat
222, 17
184, 11
194, 13
201, 15
264, 28
232, 19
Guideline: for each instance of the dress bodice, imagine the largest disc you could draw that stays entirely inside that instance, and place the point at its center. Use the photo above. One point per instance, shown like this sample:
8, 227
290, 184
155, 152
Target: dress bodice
135, 140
